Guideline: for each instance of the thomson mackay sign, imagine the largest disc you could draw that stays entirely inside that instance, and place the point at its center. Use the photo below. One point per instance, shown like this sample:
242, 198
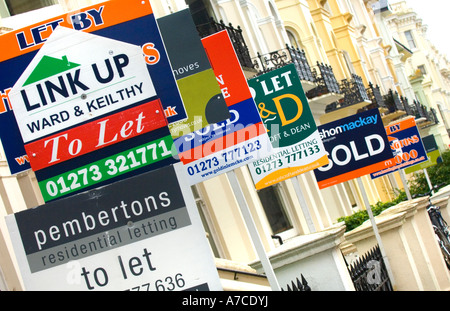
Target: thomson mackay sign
356, 146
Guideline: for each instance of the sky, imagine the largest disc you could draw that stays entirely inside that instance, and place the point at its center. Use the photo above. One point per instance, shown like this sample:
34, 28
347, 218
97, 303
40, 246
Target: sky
435, 14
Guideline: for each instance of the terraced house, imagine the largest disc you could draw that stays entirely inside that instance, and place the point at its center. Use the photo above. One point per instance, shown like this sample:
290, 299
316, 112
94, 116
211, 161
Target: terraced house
351, 56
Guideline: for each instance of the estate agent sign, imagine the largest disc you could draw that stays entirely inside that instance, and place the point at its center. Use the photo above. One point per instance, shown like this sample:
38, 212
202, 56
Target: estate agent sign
285, 112
356, 146
88, 119
406, 143
116, 20
142, 233
235, 142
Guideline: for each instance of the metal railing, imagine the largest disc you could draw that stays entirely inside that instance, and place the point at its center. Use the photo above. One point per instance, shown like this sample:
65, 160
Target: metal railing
374, 94
420, 111
392, 101
277, 59
325, 79
354, 92
298, 286
369, 273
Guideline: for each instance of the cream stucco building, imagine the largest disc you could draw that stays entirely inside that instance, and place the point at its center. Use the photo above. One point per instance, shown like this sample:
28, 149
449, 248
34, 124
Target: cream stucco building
367, 47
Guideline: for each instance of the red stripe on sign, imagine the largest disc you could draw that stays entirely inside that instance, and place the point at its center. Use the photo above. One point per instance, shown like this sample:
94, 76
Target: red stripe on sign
95, 135
222, 143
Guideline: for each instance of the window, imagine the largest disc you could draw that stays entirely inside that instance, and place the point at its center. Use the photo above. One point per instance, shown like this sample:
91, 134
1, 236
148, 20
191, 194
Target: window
422, 69
201, 11
293, 40
410, 39
21, 6
207, 222
273, 204
348, 62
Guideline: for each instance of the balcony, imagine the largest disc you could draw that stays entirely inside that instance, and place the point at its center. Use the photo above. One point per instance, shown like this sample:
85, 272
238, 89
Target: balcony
290, 55
424, 118
392, 106
374, 94
325, 93
319, 83
236, 38
354, 98
326, 83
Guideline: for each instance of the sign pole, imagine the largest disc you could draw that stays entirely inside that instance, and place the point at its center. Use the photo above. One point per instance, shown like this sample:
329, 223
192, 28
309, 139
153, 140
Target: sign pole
425, 172
303, 204
259, 247
405, 184
375, 230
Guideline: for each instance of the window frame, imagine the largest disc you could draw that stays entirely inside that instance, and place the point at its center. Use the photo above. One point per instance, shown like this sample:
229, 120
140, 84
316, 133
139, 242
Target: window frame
208, 224
285, 208
410, 39
5, 7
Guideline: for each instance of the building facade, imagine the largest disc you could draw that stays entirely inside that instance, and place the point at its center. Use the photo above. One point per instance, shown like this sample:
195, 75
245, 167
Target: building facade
360, 54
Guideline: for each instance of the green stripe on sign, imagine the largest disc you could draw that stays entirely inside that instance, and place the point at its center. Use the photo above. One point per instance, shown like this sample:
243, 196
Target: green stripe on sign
102, 170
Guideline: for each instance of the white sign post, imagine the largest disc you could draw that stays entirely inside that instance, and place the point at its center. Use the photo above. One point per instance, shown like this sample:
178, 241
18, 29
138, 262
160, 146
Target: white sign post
375, 231
253, 231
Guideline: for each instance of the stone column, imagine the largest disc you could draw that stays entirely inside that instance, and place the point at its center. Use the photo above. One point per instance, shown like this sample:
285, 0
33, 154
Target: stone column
410, 245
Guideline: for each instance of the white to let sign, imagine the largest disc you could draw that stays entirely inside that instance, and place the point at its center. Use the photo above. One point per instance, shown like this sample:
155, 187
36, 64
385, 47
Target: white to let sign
142, 233
76, 77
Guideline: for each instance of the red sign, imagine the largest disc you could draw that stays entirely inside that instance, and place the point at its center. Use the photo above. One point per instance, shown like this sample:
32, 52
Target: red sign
95, 135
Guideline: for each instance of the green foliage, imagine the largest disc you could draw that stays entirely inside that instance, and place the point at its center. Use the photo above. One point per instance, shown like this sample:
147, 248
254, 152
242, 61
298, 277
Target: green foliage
356, 219
439, 175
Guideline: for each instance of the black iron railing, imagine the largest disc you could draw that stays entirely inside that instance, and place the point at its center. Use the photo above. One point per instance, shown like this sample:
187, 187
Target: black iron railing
353, 90
301, 63
354, 93
298, 286
374, 95
406, 106
433, 116
369, 273
236, 36
393, 102
325, 79
420, 111
277, 59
